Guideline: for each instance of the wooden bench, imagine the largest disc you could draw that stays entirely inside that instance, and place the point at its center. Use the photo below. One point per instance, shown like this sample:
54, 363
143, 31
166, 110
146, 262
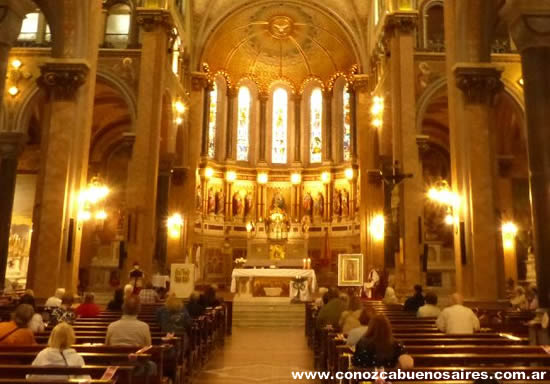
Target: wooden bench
124, 374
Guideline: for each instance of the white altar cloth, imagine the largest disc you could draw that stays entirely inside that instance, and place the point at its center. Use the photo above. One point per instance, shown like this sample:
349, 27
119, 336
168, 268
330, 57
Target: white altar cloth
273, 272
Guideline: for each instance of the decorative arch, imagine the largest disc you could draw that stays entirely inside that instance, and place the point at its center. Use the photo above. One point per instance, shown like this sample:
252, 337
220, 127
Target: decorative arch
424, 100
125, 91
286, 125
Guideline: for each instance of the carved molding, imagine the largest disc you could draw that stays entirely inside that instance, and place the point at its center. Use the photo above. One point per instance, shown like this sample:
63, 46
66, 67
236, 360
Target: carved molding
360, 82
62, 80
528, 22
151, 19
199, 81
479, 82
403, 22
263, 97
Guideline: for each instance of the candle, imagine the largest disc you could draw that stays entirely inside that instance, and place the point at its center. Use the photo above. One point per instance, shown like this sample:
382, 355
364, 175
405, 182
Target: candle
308, 263
304, 263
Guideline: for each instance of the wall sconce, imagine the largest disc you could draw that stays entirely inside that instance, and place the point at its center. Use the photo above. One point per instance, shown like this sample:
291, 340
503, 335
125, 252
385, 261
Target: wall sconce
449, 219
377, 111
520, 81
90, 201
442, 194
180, 107
230, 176
262, 178
15, 75
296, 178
250, 227
377, 227
208, 172
509, 232
349, 173
325, 177
174, 225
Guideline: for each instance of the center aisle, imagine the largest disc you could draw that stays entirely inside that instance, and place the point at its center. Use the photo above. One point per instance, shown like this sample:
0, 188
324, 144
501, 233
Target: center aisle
259, 355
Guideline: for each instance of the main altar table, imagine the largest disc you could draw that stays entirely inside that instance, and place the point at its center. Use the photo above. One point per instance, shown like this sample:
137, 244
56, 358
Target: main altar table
282, 277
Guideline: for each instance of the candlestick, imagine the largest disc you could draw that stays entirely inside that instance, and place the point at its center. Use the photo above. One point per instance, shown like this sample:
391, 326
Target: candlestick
304, 264
308, 263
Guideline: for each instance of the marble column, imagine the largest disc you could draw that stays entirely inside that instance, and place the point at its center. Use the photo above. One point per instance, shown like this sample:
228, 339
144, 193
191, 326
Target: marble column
400, 28
144, 165
327, 125
55, 247
11, 145
205, 121
263, 97
529, 22
297, 98
162, 214
232, 94
13, 13
353, 121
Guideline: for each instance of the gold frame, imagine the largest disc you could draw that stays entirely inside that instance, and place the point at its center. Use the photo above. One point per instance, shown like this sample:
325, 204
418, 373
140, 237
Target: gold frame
350, 270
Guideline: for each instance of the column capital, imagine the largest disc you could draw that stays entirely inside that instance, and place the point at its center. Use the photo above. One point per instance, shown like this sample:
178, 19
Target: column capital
199, 81
263, 96
479, 82
360, 82
296, 97
63, 79
151, 19
401, 21
11, 144
528, 22
232, 92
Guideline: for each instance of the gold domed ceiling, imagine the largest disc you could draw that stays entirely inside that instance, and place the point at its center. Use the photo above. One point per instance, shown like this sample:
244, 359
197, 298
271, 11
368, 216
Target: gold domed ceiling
279, 42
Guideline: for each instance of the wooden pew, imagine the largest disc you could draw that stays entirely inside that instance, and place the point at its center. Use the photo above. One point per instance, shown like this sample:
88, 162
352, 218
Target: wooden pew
124, 374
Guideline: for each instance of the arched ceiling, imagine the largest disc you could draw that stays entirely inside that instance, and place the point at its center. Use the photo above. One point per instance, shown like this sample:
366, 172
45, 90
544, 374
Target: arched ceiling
276, 40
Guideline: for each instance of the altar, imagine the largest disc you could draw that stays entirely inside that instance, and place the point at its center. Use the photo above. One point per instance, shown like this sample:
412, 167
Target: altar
298, 284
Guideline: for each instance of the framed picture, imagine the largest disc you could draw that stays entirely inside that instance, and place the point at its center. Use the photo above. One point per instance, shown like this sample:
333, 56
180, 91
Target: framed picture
350, 269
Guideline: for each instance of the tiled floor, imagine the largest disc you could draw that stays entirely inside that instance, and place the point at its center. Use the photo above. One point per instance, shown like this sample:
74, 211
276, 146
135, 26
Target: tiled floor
256, 355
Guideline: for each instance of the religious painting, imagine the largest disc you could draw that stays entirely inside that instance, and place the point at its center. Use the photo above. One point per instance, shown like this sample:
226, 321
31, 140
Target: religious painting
214, 262
276, 252
350, 270
182, 279
313, 201
243, 200
278, 197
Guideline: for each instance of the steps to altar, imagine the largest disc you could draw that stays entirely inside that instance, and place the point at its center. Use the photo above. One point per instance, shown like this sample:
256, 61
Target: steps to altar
267, 312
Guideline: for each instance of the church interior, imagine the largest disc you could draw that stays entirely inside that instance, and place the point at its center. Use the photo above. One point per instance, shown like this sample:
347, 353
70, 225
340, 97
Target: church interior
286, 155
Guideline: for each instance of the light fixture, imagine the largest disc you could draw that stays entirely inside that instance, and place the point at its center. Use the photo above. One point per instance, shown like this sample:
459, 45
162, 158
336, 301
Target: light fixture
101, 215
262, 178
91, 200
377, 105
377, 122
449, 219
295, 178
180, 107
84, 215
443, 195
349, 173
208, 172
509, 232
230, 176
13, 90
174, 224
179, 120
249, 227
377, 227
520, 81
16, 63
325, 177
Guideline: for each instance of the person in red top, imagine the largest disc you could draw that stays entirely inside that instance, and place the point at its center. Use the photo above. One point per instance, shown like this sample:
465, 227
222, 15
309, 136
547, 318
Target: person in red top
17, 332
88, 308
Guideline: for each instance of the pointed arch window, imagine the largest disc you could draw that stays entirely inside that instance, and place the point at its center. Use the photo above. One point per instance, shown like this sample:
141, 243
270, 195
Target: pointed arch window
117, 26
243, 125
316, 125
176, 54
347, 125
212, 121
280, 127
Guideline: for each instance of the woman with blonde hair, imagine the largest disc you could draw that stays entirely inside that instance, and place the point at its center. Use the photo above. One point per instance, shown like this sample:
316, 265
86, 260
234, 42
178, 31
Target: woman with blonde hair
59, 353
173, 317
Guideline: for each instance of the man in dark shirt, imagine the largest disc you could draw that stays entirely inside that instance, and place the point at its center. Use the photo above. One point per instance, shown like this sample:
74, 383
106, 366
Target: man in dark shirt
416, 301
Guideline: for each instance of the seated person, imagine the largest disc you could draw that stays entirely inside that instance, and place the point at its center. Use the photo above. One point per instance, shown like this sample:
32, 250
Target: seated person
532, 299
64, 313
174, 318
129, 330
457, 319
193, 306
59, 354
208, 299
430, 309
416, 301
330, 313
357, 333
36, 324
118, 300
88, 308
17, 331
519, 301
350, 317
377, 348
320, 301
55, 300
148, 295
390, 297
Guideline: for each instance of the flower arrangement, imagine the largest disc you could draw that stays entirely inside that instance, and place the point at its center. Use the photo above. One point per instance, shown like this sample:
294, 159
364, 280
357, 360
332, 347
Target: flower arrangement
240, 260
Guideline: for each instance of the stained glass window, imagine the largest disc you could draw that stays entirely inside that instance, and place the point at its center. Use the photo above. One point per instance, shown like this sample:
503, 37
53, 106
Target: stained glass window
243, 125
176, 54
347, 125
212, 121
316, 125
280, 126
29, 27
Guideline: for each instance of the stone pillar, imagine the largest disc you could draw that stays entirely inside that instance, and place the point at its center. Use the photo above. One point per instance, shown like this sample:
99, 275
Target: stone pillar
327, 125
13, 13
263, 97
11, 145
400, 28
228, 200
55, 240
144, 165
205, 120
297, 98
232, 94
353, 122
162, 214
529, 22
102, 26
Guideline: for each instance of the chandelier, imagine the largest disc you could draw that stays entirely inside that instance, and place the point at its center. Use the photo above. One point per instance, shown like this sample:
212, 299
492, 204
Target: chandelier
92, 201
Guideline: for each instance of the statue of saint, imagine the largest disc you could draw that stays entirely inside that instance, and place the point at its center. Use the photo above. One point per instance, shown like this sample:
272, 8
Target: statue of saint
319, 204
345, 202
211, 201
238, 207
198, 198
219, 203
337, 203
308, 204
278, 201
248, 204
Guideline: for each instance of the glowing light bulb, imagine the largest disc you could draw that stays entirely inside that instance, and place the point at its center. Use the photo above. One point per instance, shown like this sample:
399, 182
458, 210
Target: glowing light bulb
101, 215
295, 178
16, 63
208, 172
13, 90
180, 107
377, 227
263, 178
349, 173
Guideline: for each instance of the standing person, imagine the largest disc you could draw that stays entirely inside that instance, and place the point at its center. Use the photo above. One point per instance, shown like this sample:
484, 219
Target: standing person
17, 331
88, 308
457, 319
148, 295
59, 354
136, 277
36, 324
372, 282
64, 313
415, 301
379, 349
129, 330
430, 309
55, 300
